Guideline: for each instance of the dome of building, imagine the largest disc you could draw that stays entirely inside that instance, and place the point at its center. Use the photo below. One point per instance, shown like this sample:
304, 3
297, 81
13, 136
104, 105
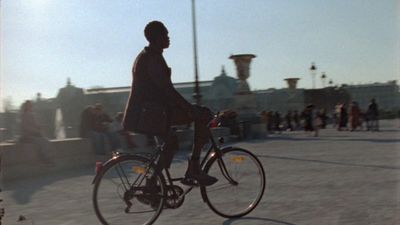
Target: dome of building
224, 80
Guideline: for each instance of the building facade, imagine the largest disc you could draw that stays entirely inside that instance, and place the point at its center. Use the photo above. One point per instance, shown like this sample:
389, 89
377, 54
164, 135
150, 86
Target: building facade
387, 95
217, 94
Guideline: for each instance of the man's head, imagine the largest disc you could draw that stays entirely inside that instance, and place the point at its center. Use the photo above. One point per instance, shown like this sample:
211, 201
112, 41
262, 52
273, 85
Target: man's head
157, 34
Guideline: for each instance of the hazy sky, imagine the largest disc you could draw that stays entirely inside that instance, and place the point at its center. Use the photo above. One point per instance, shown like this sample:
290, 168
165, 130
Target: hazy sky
95, 41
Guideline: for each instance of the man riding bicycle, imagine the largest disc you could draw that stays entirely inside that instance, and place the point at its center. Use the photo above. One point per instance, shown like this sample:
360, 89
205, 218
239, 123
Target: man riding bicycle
154, 106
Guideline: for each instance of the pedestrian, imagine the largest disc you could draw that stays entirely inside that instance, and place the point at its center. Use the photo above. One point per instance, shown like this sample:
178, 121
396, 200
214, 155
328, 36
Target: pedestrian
296, 119
288, 118
373, 115
277, 121
228, 118
323, 117
31, 132
307, 115
270, 122
92, 128
343, 117
317, 123
334, 117
101, 128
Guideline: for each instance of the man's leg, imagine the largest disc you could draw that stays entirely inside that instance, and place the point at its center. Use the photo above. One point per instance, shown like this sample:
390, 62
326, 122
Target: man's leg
201, 137
171, 145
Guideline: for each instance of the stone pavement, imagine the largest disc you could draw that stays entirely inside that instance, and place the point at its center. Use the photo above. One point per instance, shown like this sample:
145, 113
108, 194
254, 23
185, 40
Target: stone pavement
339, 178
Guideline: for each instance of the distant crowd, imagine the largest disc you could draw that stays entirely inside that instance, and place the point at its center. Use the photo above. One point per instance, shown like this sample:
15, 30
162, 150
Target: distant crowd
107, 133
343, 117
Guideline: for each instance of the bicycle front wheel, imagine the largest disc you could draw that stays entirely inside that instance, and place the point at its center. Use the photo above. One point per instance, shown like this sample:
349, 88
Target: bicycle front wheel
240, 186
128, 191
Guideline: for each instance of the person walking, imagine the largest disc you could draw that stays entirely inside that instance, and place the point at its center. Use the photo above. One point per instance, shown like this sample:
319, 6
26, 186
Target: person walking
307, 115
277, 122
288, 118
373, 115
343, 117
296, 119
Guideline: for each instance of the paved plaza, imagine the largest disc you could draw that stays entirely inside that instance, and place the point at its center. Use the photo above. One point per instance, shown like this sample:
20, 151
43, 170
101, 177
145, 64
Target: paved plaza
338, 178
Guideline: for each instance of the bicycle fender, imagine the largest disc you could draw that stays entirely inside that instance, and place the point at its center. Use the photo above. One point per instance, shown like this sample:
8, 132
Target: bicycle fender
115, 157
210, 159
111, 160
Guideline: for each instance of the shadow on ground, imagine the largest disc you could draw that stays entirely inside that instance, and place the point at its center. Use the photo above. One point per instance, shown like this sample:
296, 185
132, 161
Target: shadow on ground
247, 220
331, 162
23, 190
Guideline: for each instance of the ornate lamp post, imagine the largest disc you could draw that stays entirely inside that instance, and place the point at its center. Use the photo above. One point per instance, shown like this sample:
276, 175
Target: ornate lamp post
196, 94
313, 70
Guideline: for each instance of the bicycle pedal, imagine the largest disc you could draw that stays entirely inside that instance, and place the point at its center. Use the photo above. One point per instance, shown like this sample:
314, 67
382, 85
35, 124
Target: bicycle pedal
190, 182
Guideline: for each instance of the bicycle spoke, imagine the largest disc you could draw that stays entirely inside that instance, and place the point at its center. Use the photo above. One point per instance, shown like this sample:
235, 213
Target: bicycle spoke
121, 196
120, 176
225, 173
239, 173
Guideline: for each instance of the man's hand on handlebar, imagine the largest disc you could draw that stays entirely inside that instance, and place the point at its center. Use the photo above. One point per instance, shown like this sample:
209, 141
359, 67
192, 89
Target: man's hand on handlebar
202, 113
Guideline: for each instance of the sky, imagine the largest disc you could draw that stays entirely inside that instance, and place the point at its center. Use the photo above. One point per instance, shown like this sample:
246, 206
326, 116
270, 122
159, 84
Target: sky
94, 42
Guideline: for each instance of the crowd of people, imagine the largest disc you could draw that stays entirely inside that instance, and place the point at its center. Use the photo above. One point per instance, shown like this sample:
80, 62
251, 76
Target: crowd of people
107, 133
103, 130
353, 118
343, 117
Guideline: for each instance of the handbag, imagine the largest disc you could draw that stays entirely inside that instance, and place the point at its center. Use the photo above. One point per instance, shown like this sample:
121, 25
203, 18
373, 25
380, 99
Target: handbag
152, 119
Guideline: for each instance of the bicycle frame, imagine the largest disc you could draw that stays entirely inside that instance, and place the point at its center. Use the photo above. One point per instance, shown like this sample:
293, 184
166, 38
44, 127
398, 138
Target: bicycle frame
213, 151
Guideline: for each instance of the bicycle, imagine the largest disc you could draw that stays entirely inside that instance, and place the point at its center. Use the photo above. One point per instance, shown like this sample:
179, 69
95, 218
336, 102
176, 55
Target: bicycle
128, 190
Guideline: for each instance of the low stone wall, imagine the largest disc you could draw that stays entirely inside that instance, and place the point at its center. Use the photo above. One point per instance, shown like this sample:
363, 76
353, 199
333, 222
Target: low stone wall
22, 160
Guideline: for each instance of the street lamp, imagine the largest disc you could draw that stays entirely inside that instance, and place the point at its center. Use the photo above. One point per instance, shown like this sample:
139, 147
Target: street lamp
313, 69
323, 78
196, 94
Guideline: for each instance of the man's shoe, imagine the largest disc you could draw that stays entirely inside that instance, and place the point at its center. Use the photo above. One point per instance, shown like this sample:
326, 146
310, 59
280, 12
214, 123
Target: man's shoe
199, 180
196, 177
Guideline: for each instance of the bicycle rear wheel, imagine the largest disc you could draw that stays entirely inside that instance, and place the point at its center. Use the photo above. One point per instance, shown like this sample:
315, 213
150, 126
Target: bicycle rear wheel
122, 193
240, 186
